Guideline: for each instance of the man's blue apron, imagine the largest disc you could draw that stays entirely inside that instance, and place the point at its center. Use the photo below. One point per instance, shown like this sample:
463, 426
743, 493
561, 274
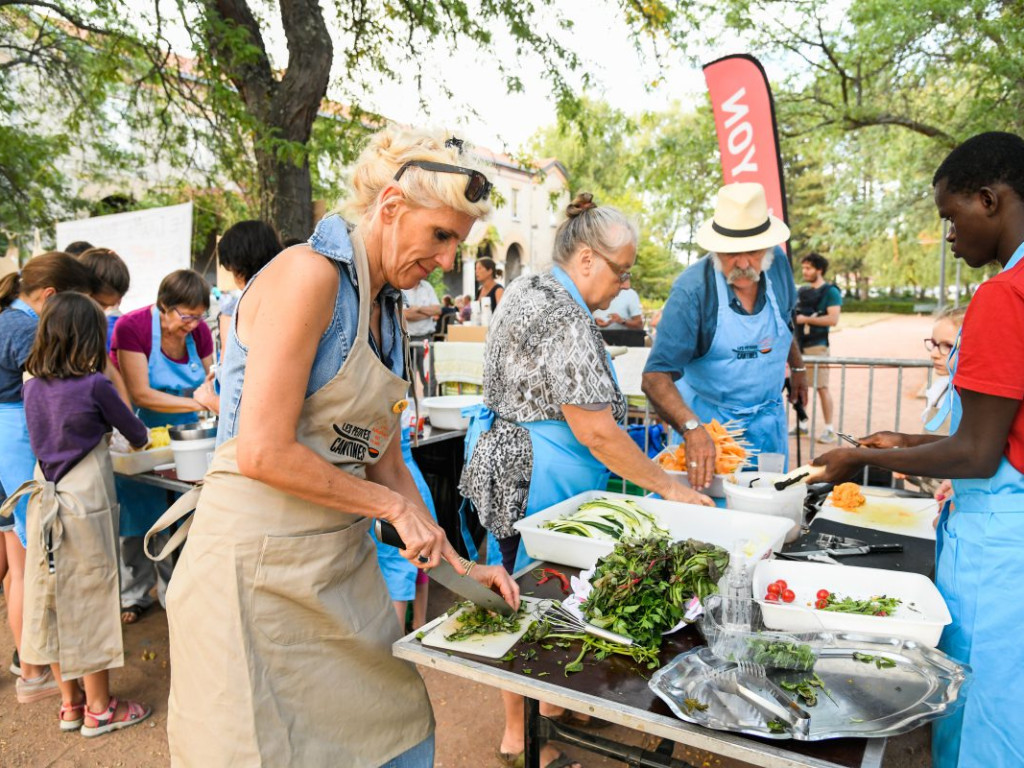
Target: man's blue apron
562, 465
399, 574
141, 505
979, 569
740, 378
18, 463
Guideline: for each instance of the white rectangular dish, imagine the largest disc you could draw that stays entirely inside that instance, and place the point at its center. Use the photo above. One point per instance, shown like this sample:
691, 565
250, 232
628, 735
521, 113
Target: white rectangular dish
723, 527
137, 462
920, 617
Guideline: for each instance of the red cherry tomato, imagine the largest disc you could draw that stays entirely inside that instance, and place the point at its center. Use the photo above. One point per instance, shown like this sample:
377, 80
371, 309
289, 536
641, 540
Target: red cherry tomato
788, 596
772, 597
774, 589
821, 604
782, 584
823, 594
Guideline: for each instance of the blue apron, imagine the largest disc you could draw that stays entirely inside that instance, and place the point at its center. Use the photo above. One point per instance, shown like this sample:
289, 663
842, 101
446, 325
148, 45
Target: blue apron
17, 462
141, 505
562, 465
740, 378
979, 569
399, 574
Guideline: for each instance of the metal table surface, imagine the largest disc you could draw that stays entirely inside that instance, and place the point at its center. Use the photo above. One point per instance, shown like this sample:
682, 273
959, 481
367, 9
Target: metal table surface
616, 690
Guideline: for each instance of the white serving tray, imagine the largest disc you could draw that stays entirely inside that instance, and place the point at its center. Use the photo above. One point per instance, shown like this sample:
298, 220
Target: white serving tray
137, 462
920, 617
724, 527
488, 646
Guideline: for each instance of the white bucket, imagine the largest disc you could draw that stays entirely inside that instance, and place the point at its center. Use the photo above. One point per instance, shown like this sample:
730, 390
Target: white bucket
765, 500
192, 457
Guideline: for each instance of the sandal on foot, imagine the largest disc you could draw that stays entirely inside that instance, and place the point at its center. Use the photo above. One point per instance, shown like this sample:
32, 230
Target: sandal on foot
105, 722
76, 723
512, 759
135, 611
562, 761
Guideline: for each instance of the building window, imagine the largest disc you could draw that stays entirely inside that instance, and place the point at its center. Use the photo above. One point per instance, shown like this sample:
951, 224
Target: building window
515, 205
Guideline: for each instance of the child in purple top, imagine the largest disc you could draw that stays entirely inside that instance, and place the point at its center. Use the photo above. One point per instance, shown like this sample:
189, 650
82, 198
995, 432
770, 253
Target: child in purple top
70, 406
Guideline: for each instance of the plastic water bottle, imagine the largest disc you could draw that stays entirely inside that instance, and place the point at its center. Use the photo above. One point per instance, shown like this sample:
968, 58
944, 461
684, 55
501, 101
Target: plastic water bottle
485, 312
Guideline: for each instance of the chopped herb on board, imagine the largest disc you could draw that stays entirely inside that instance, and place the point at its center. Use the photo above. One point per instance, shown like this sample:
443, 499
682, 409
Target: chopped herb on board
480, 621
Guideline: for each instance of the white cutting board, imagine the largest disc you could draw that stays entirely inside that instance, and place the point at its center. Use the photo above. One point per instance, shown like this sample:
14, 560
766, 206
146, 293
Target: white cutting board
488, 646
884, 512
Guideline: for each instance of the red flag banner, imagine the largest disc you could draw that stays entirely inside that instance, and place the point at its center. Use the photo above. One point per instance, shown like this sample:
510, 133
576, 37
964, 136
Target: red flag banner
748, 140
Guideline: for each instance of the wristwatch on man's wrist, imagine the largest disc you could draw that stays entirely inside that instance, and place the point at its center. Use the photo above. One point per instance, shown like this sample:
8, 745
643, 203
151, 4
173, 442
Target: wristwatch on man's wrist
690, 424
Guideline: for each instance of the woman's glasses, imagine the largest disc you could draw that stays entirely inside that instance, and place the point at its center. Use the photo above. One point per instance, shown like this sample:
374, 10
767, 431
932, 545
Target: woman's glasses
477, 188
944, 347
620, 271
187, 318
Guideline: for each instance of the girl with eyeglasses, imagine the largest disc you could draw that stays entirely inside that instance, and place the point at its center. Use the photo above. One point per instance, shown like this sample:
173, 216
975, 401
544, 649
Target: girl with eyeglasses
281, 624
164, 352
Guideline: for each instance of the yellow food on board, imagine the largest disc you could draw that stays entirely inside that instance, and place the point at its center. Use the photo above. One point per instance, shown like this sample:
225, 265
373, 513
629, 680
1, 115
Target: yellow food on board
847, 496
158, 437
730, 451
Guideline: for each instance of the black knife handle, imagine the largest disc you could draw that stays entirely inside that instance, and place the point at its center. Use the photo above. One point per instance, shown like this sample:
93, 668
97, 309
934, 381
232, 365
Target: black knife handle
891, 547
386, 534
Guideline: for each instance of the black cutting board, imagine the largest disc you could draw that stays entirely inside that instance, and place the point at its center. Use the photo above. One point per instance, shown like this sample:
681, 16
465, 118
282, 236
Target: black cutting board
918, 555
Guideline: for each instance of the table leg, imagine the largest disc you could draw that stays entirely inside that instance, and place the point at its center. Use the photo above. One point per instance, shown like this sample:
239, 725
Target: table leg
533, 741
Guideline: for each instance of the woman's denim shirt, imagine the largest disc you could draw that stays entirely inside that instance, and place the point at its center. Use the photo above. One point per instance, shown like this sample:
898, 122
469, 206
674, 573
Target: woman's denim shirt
330, 239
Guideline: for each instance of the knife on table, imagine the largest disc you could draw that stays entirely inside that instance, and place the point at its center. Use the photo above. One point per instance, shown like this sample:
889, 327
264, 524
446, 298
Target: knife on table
465, 587
866, 549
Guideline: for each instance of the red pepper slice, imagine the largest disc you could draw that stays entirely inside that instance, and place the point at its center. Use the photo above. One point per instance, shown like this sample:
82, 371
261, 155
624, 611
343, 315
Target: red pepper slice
562, 578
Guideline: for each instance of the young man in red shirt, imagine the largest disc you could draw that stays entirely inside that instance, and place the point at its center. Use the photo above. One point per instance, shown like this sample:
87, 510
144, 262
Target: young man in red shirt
979, 190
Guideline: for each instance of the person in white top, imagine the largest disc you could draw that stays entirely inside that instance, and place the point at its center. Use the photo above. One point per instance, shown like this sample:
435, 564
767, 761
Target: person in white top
421, 312
623, 314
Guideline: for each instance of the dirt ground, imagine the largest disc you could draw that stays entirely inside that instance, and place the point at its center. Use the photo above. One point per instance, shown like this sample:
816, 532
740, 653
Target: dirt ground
468, 714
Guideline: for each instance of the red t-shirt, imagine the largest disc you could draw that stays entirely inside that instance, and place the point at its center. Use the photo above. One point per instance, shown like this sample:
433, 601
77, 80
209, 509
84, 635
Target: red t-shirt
992, 349
133, 332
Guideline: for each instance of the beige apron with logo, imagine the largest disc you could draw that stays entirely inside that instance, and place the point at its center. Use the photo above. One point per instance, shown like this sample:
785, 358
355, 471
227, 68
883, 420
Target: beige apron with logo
72, 610
280, 622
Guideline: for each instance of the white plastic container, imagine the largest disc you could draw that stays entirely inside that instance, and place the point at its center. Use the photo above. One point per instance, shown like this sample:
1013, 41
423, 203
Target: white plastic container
446, 411
137, 462
763, 499
722, 527
921, 616
192, 445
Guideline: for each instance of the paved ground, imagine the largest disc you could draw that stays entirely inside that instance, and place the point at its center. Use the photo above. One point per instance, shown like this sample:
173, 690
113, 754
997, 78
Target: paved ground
469, 719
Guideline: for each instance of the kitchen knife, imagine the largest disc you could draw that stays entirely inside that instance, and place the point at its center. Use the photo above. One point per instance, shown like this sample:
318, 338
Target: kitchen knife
800, 474
834, 540
867, 549
465, 587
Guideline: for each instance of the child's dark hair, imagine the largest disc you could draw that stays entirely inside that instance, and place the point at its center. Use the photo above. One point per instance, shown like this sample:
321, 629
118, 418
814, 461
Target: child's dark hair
982, 160
56, 269
817, 261
78, 247
247, 247
109, 269
71, 338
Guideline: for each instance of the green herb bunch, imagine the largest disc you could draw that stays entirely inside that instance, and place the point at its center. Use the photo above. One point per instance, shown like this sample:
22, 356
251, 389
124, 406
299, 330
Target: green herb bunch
476, 621
642, 587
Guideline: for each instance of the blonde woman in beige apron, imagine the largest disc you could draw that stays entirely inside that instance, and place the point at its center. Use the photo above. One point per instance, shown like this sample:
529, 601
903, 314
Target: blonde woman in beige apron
280, 622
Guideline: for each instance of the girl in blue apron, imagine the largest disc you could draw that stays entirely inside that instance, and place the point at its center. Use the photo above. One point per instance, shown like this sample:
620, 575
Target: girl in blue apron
141, 505
22, 296
748, 353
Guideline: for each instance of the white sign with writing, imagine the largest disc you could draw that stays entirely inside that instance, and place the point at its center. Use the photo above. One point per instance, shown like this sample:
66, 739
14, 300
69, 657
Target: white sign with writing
153, 243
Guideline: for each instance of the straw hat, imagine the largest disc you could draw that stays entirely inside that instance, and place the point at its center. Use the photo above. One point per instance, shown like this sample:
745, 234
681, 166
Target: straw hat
741, 222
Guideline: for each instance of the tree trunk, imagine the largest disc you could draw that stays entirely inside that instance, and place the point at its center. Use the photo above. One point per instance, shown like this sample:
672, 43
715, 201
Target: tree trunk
286, 196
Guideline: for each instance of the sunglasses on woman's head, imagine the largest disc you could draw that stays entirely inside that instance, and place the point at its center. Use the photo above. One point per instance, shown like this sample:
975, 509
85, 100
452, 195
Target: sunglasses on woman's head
477, 188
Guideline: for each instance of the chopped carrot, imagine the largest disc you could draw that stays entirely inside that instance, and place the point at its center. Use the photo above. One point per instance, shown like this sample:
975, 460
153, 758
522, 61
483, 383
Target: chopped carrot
847, 496
730, 451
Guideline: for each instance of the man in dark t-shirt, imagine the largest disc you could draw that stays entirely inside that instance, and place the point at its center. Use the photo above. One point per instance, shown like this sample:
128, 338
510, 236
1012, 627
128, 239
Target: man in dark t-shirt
817, 309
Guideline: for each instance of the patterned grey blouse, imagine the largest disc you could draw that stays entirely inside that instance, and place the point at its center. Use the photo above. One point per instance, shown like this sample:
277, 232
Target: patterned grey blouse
543, 351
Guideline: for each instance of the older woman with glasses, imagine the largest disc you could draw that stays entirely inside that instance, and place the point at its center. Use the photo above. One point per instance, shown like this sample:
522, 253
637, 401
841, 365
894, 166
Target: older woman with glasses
164, 352
549, 428
280, 622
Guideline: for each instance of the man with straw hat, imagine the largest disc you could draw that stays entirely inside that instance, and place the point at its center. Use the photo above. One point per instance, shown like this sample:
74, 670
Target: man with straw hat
726, 335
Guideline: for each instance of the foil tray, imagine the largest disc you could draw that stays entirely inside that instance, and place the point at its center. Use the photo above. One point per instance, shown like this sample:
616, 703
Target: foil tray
866, 701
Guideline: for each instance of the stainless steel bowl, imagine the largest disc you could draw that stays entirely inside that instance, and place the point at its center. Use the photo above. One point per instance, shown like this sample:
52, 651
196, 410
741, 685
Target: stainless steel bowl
194, 431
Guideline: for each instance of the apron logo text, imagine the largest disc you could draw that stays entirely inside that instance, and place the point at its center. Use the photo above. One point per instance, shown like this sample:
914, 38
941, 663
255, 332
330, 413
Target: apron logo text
354, 441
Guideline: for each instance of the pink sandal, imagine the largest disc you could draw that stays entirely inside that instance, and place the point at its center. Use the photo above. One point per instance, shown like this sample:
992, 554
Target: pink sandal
105, 722
72, 725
